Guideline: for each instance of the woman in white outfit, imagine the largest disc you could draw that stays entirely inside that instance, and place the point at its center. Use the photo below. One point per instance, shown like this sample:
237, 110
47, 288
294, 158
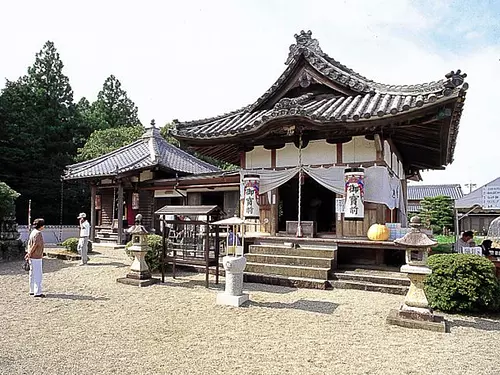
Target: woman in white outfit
34, 255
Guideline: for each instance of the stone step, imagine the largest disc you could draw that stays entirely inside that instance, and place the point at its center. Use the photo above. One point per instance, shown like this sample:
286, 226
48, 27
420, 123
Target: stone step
289, 260
372, 278
288, 281
368, 286
285, 270
306, 251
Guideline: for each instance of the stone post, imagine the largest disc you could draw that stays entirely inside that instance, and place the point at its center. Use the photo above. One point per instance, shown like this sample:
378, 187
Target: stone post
233, 294
139, 274
415, 311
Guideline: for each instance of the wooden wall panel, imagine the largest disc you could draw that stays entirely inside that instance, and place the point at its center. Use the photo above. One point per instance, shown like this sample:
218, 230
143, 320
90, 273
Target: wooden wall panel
106, 207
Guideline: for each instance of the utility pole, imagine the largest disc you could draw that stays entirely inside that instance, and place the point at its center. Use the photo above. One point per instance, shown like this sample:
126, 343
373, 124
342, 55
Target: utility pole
471, 186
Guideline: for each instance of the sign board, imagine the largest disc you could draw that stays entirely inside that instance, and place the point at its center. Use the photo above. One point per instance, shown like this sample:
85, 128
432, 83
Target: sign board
339, 207
491, 198
354, 208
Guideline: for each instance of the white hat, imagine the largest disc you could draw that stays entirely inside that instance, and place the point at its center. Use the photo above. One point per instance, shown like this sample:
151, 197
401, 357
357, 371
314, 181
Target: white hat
81, 215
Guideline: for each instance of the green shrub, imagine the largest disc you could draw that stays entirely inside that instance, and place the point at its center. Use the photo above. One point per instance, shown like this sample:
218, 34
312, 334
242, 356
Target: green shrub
153, 254
462, 282
71, 244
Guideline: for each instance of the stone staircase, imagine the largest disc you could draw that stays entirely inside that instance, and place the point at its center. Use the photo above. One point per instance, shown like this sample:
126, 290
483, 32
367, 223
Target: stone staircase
307, 266
371, 280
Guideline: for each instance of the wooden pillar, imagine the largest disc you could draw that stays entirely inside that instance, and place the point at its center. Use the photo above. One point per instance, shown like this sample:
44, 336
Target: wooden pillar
93, 190
273, 228
120, 212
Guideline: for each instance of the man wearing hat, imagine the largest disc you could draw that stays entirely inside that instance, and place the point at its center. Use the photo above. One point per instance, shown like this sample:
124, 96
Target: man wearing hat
84, 237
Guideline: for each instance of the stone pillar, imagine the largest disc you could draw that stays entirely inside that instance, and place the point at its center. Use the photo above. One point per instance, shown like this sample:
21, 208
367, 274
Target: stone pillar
415, 312
139, 274
233, 294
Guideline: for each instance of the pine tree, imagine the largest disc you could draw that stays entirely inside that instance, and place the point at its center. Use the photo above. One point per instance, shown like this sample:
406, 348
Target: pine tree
41, 134
113, 108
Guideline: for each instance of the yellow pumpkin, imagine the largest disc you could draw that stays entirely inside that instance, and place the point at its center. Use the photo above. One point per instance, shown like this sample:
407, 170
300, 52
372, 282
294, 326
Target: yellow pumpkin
378, 232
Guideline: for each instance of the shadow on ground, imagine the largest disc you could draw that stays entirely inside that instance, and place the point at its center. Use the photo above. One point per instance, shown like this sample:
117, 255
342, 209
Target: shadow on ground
49, 265
75, 297
478, 323
113, 264
321, 307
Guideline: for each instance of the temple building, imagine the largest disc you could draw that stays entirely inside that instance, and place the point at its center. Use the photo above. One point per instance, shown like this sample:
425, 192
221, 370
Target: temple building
327, 151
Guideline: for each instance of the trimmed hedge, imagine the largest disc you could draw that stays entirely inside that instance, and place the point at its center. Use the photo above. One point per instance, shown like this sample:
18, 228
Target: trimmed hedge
462, 282
153, 254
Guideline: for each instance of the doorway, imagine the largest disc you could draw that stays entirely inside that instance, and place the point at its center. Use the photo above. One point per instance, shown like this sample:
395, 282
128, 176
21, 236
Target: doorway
318, 204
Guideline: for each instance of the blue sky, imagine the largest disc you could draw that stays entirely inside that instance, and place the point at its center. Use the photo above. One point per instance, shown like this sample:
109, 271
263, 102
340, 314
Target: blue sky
194, 59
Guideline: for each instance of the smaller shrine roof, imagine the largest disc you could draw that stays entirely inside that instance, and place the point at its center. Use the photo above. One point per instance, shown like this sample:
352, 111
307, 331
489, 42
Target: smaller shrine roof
419, 192
151, 150
187, 210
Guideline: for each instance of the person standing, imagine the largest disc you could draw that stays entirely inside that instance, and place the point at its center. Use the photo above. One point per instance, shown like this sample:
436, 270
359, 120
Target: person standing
83, 242
34, 255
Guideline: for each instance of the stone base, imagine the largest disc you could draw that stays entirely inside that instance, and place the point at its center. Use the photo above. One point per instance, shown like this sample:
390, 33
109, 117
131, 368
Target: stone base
414, 319
137, 282
226, 299
139, 275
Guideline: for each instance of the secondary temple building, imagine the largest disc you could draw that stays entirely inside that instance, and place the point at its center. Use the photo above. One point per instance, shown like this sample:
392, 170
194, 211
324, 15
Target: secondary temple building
326, 151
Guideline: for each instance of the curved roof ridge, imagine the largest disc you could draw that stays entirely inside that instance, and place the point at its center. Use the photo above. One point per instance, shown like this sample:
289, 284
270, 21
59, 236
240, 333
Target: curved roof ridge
309, 47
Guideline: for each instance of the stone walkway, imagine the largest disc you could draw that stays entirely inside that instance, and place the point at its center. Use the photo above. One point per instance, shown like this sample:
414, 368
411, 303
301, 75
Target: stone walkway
90, 324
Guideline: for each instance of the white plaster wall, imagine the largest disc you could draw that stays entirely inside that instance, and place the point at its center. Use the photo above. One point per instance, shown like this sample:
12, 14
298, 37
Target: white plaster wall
319, 152
401, 170
358, 150
287, 156
259, 157
387, 153
394, 164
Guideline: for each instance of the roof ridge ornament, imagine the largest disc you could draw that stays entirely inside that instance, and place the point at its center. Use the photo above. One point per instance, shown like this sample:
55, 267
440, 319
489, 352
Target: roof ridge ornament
304, 43
454, 80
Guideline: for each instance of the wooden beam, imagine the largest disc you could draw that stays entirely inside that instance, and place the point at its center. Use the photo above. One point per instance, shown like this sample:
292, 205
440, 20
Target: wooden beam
120, 212
415, 145
93, 193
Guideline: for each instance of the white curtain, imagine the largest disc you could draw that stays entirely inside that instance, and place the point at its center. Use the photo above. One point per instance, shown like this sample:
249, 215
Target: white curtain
380, 186
331, 178
269, 179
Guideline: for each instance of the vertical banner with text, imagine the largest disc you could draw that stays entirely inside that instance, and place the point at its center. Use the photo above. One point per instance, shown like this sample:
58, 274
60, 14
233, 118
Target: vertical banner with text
354, 208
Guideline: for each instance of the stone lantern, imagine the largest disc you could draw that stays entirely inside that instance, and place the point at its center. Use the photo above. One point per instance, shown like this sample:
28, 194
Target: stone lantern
415, 311
139, 274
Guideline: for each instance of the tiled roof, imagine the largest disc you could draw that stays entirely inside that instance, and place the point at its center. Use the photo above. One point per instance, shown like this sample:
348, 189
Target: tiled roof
319, 108
152, 150
419, 192
362, 100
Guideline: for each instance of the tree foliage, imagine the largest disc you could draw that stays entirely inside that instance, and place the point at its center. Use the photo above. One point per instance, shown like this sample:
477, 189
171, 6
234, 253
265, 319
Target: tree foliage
40, 134
437, 213
103, 141
112, 109
7, 198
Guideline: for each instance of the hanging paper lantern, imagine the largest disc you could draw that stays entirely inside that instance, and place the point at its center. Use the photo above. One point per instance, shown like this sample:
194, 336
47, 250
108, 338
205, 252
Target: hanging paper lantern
378, 232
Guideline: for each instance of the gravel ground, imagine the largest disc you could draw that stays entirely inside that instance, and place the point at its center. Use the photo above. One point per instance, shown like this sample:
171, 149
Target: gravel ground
90, 324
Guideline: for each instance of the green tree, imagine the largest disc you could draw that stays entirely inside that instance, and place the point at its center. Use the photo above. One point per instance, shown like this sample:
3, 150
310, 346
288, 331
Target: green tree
103, 141
437, 212
166, 132
40, 134
113, 108
7, 198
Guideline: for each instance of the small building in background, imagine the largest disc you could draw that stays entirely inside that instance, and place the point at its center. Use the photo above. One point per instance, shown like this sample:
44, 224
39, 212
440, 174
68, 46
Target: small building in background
416, 193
